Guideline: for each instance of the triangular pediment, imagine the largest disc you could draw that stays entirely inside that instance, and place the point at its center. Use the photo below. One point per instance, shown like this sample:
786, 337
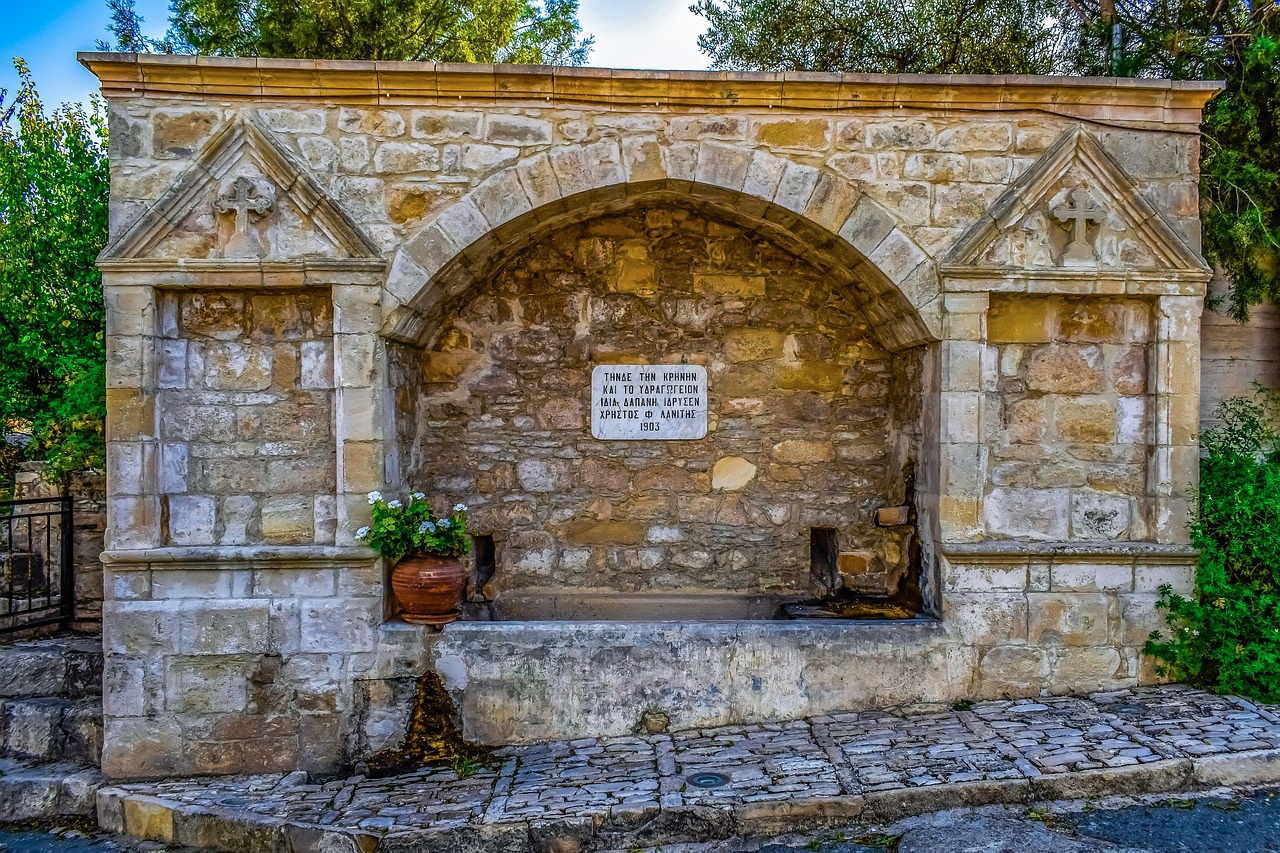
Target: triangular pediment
1075, 211
244, 198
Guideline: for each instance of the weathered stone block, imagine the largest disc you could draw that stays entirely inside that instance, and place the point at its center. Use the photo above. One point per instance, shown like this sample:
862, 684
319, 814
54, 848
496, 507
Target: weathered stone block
1028, 513
288, 520
1020, 320
1071, 619
809, 133
1086, 420
1066, 369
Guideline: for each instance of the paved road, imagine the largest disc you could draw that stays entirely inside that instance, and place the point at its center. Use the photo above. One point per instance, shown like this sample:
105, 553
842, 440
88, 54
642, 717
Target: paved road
1223, 823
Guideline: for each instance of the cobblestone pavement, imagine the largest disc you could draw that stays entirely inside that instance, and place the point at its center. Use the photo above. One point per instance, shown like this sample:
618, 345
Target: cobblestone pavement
823, 769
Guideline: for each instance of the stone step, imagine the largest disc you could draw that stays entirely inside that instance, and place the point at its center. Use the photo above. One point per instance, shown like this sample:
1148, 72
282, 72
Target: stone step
38, 791
69, 668
51, 729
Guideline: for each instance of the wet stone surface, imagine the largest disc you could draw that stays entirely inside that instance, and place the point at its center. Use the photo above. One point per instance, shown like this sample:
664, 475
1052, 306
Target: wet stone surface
630, 779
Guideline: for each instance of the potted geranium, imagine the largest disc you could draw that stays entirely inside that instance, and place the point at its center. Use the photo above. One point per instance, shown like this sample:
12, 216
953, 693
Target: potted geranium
424, 550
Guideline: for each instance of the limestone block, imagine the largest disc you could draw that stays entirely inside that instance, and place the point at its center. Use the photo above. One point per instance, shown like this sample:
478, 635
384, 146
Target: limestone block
1041, 514
1092, 322
588, 532
642, 159
1151, 578
544, 475
1086, 670
977, 136
1071, 619
1100, 516
191, 519
143, 747
902, 135
140, 627
293, 120
482, 159
320, 153
813, 134
796, 187
853, 167
406, 158
1085, 419
800, 451
897, 255
439, 124
986, 619
988, 578
832, 201
502, 198
1026, 421
1066, 369
1012, 671
730, 285
753, 344
723, 165
237, 367
1091, 577
288, 520
765, 175
354, 153
346, 625
731, 473
379, 123
181, 132
1020, 320
517, 130
222, 627
208, 684
191, 583
699, 127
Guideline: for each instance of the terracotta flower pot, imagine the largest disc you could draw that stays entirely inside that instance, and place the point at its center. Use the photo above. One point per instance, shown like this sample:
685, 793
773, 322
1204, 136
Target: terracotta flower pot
429, 589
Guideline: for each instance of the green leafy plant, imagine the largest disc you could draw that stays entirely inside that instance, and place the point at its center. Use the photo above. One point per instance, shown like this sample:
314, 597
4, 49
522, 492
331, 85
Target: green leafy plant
53, 224
1226, 637
411, 529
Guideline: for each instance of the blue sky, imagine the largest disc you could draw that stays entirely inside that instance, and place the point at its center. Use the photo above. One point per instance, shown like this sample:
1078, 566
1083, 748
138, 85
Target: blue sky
47, 33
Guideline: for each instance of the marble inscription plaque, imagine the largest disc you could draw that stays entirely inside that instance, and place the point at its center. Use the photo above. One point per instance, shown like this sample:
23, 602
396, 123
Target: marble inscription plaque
649, 401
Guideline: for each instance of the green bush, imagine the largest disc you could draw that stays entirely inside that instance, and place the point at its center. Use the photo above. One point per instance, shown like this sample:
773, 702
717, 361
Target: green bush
53, 224
1227, 637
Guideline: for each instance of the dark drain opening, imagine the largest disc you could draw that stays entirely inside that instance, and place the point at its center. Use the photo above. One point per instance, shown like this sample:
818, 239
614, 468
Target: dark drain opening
233, 802
707, 780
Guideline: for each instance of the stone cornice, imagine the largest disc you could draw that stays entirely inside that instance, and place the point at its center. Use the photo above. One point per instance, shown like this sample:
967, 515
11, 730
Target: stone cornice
1121, 101
1014, 553
235, 274
240, 557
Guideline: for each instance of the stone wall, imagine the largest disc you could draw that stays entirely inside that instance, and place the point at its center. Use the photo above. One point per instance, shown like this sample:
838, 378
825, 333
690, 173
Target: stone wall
812, 424
246, 430
1069, 460
1236, 357
1004, 272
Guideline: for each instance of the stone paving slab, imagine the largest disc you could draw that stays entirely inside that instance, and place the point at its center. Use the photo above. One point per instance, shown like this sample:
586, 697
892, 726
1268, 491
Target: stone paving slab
641, 790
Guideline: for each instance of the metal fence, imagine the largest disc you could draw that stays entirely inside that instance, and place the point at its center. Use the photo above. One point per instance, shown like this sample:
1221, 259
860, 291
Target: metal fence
37, 572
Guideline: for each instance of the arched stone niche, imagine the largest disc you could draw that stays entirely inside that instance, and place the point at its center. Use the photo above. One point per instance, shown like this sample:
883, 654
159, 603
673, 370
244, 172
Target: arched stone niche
813, 423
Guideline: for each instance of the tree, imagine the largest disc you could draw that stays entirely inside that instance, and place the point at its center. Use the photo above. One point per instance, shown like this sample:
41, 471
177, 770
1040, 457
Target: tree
1236, 41
523, 31
890, 36
53, 224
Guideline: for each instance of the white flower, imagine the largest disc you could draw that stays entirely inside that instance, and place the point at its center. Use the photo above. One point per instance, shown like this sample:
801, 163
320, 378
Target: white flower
395, 504
362, 532
417, 496
459, 507
374, 497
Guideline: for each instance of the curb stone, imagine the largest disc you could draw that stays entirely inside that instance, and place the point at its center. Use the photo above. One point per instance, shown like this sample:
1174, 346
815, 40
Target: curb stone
1171, 774
888, 806
1237, 768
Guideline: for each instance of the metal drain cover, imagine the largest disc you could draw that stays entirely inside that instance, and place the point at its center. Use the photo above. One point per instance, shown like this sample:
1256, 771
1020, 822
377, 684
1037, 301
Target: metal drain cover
1127, 709
707, 780
233, 802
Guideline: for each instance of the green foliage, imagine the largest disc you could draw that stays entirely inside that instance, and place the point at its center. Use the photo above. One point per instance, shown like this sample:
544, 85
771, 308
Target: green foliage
405, 530
53, 224
1236, 41
522, 31
926, 36
1227, 636
1240, 172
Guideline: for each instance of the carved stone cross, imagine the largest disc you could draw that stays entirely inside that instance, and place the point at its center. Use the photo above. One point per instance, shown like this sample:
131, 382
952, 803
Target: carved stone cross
243, 199
1080, 209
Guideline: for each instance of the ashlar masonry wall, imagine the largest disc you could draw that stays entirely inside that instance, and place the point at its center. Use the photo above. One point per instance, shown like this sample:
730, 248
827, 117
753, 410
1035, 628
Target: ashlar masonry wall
324, 276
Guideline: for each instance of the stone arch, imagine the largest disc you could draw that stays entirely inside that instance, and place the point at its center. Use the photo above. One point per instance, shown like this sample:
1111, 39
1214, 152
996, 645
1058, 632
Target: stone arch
814, 212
